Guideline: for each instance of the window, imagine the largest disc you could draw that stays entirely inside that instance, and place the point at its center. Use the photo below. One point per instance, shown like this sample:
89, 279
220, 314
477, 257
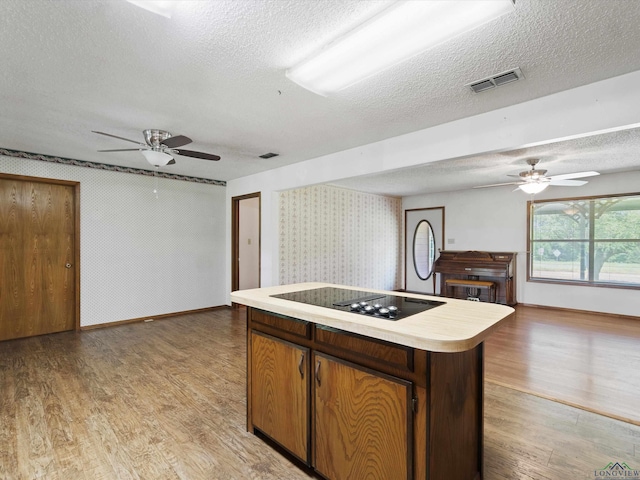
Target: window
424, 249
592, 241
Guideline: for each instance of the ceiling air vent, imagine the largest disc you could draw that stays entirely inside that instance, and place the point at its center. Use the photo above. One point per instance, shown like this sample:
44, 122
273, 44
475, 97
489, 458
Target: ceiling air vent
482, 86
496, 80
269, 155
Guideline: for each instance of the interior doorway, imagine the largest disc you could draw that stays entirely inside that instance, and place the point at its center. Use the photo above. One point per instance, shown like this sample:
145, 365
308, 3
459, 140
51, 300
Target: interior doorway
245, 214
39, 256
423, 239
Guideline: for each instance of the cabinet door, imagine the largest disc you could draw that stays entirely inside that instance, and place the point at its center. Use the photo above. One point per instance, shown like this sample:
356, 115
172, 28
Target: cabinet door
363, 422
280, 392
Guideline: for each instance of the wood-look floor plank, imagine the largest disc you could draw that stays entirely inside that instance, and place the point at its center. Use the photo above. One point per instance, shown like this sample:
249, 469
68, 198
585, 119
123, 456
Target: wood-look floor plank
517, 425
8, 422
583, 359
166, 400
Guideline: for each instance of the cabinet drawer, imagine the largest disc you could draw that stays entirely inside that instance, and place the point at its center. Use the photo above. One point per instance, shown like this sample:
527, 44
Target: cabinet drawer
300, 328
354, 345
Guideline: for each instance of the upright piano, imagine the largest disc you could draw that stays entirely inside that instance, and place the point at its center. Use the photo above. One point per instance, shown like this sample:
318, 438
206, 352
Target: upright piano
497, 267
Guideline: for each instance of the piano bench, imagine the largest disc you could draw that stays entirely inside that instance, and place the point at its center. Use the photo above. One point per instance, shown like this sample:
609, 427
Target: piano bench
480, 284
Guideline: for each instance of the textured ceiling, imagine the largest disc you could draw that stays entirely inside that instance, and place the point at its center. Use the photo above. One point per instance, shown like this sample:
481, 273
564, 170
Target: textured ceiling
215, 72
605, 153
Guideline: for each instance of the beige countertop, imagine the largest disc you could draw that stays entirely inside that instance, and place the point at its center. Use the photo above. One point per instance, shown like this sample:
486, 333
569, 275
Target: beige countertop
457, 326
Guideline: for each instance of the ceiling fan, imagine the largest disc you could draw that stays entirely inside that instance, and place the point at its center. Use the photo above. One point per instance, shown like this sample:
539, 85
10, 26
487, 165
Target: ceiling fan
160, 146
535, 181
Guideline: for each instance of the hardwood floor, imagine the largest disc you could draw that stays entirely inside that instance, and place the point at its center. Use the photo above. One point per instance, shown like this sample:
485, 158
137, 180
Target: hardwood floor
166, 400
587, 360
156, 400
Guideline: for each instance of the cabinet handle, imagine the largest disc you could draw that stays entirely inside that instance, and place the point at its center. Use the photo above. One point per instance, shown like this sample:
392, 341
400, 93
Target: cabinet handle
300, 369
318, 372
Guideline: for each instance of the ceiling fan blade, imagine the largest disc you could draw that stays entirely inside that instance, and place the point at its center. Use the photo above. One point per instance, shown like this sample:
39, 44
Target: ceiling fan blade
567, 183
122, 150
121, 138
200, 155
569, 176
500, 184
177, 141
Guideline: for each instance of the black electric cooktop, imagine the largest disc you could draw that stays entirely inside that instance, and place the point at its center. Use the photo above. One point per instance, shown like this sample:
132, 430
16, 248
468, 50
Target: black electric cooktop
386, 307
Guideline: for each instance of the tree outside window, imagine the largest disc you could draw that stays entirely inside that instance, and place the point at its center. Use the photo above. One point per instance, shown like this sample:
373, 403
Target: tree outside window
586, 241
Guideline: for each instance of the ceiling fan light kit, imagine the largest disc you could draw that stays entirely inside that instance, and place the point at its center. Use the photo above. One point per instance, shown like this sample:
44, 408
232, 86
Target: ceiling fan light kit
155, 158
533, 188
396, 34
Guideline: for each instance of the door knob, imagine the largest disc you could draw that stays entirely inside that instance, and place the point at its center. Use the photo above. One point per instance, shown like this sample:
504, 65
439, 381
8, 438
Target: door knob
68, 265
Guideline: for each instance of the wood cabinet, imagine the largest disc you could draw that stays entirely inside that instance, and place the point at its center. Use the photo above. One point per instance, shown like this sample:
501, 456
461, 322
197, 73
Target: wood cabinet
350, 406
363, 422
280, 392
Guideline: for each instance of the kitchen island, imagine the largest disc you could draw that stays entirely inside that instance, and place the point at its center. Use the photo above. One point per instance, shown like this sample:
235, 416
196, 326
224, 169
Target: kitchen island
369, 395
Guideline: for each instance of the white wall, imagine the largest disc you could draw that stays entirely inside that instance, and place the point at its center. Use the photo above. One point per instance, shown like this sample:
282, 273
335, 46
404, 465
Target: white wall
249, 243
495, 219
593, 108
140, 255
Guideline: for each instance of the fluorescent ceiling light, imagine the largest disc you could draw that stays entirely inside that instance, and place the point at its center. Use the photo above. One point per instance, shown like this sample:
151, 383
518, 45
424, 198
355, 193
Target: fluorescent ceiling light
161, 7
158, 159
533, 187
396, 34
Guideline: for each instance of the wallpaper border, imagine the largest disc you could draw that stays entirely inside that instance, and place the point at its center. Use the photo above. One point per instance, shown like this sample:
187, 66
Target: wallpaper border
104, 166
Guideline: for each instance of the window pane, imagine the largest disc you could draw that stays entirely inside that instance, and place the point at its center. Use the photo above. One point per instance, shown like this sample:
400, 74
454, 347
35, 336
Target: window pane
560, 260
617, 218
561, 220
424, 249
617, 262
565, 245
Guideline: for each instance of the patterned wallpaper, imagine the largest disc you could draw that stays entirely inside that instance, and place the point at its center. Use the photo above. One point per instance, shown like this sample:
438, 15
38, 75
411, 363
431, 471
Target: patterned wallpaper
140, 255
329, 234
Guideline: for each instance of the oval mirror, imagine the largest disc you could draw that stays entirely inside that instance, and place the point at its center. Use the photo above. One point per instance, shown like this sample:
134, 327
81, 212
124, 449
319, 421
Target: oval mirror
424, 249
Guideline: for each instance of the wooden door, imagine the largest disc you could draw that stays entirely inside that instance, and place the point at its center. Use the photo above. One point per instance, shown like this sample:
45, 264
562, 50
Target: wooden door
363, 422
280, 392
37, 257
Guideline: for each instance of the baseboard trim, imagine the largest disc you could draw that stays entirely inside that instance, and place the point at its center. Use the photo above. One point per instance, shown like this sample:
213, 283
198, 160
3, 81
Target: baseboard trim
575, 310
152, 317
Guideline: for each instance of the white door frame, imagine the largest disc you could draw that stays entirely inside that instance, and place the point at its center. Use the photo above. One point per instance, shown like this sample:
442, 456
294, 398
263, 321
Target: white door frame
435, 216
